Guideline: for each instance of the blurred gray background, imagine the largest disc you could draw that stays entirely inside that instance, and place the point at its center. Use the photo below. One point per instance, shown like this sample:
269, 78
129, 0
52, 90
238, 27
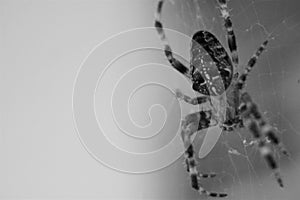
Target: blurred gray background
43, 43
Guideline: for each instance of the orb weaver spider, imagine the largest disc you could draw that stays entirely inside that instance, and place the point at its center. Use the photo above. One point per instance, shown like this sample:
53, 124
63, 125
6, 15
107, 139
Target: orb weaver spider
213, 73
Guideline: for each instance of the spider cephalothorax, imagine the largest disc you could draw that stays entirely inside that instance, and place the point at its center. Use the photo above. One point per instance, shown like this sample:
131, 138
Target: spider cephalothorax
213, 74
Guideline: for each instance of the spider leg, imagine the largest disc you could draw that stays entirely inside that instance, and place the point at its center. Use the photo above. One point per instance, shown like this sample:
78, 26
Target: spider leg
267, 130
242, 79
259, 128
210, 175
232, 44
167, 48
190, 100
190, 125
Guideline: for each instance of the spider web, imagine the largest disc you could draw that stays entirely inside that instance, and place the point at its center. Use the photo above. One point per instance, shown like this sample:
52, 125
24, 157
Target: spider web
274, 84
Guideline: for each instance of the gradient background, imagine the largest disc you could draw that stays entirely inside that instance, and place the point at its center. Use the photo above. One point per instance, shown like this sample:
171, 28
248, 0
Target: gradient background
43, 43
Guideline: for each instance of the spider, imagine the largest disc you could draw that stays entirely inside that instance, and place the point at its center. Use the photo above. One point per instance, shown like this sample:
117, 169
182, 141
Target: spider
213, 73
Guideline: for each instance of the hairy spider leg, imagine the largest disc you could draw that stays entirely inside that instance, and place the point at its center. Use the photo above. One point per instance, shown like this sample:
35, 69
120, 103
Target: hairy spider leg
190, 125
194, 101
190, 100
167, 48
251, 63
232, 44
267, 130
258, 127
210, 175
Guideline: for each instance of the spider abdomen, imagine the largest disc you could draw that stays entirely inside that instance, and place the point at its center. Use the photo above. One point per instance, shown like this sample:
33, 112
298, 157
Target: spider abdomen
212, 63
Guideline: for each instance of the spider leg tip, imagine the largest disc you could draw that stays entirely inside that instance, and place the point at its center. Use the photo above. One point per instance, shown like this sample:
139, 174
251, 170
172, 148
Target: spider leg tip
279, 180
281, 185
223, 195
285, 152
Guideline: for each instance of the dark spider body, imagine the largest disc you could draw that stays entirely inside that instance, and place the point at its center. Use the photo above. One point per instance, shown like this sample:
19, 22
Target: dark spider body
210, 58
213, 74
